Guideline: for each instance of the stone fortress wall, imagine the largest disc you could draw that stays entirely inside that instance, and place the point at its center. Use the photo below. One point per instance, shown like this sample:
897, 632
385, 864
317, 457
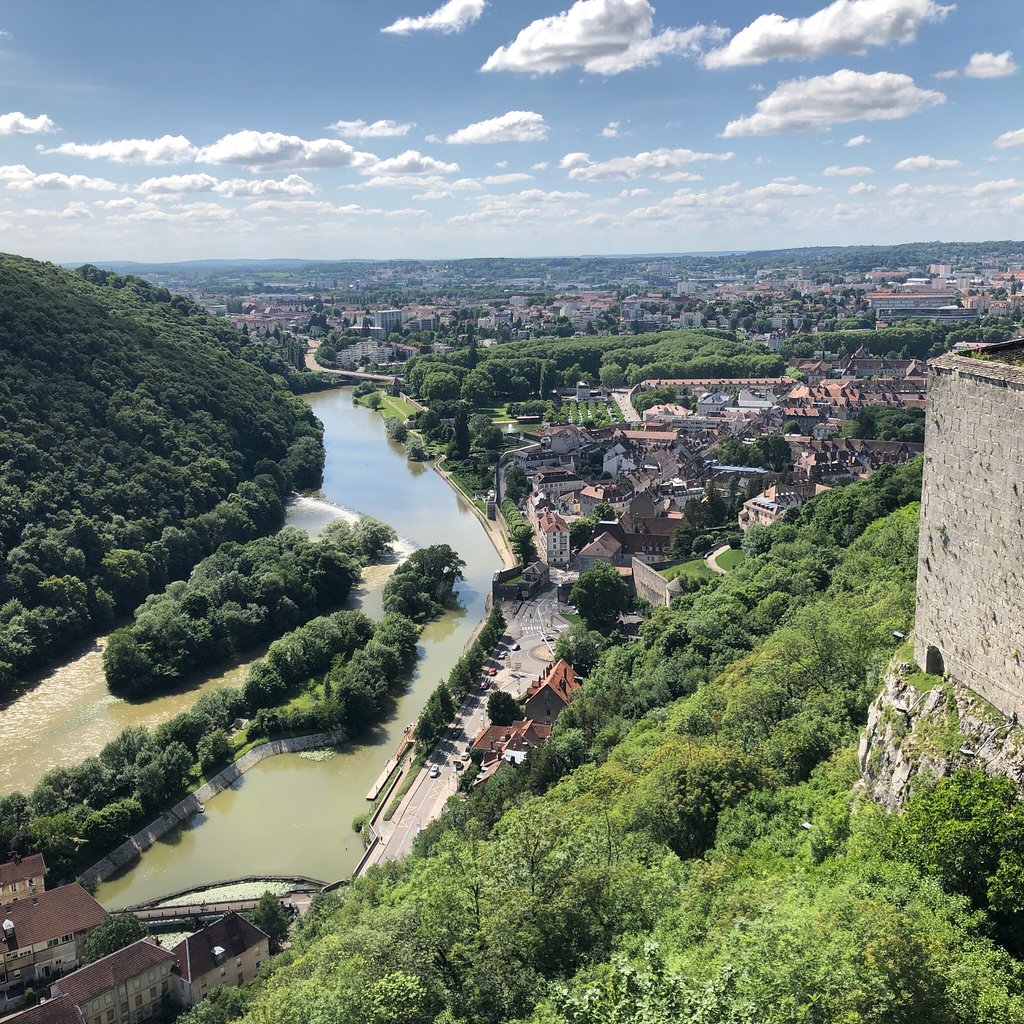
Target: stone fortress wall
970, 583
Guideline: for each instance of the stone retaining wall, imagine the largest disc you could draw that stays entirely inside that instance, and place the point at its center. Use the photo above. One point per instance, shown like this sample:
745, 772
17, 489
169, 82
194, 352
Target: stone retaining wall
185, 809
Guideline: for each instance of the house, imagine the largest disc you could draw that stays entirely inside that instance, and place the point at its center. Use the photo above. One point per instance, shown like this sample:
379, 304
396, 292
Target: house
21, 877
500, 743
227, 952
772, 503
620, 458
60, 1010
554, 531
549, 695
565, 439
554, 480
615, 494
125, 987
603, 548
43, 937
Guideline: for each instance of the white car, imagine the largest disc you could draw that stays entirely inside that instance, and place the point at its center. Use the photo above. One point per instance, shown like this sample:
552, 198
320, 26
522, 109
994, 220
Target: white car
435, 771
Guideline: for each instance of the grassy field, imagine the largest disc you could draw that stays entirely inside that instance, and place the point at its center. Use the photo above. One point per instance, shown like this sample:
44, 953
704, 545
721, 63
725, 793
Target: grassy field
395, 408
694, 569
730, 559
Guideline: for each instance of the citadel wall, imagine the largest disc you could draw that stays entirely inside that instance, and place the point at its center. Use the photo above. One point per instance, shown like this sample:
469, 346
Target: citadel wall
970, 583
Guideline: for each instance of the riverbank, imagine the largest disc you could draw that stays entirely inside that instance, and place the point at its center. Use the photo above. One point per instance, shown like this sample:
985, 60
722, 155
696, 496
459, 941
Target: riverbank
288, 814
493, 528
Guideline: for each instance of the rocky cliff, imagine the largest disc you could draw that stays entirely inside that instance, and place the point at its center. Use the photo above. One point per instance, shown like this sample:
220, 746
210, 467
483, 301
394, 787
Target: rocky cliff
923, 727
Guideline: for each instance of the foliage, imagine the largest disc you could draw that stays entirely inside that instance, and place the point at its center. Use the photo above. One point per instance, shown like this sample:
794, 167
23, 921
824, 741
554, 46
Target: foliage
503, 708
112, 934
137, 437
581, 647
236, 598
424, 584
600, 596
519, 533
269, 916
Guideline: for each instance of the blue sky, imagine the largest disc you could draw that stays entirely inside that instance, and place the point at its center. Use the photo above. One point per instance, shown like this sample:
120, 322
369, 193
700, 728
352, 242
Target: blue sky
416, 128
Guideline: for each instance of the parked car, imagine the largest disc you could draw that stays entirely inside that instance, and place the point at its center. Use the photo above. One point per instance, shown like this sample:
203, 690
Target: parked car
467, 753
435, 771
492, 671
501, 655
513, 647
485, 684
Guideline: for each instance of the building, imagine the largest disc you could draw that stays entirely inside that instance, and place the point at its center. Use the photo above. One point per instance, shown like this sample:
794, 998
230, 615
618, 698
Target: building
21, 877
554, 531
970, 576
772, 503
43, 937
498, 744
61, 1010
388, 320
549, 695
227, 952
125, 987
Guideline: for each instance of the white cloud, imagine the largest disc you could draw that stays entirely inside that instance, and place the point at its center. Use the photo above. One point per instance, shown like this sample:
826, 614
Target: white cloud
925, 163
21, 179
361, 129
951, 73
453, 16
409, 163
861, 188
991, 65
779, 188
611, 130
530, 204
985, 188
813, 104
677, 176
1008, 139
582, 168
168, 149
272, 149
542, 166
507, 179
419, 181
852, 172
857, 140
845, 26
177, 184
633, 193
17, 123
604, 37
515, 126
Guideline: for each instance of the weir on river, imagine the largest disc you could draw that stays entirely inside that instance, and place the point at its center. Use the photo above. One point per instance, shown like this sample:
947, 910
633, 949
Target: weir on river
290, 814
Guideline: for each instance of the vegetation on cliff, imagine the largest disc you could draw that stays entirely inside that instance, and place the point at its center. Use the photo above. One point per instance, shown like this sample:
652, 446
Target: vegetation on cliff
134, 440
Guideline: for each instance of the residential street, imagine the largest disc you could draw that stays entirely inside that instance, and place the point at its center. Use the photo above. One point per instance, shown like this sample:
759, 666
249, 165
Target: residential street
528, 625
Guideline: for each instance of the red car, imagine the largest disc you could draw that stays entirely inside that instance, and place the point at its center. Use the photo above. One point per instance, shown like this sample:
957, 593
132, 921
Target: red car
485, 684
492, 671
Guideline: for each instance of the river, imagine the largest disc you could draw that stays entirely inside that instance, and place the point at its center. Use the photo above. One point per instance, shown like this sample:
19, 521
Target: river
291, 814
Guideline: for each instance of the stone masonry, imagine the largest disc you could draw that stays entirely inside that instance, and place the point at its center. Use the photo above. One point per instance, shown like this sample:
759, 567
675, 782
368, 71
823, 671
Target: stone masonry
970, 583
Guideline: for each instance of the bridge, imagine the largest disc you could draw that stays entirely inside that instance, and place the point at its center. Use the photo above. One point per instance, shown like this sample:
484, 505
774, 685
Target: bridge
391, 380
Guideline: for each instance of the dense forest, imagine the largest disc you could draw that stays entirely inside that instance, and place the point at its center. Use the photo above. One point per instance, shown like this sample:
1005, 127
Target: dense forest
134, 440
237, 597
691, 844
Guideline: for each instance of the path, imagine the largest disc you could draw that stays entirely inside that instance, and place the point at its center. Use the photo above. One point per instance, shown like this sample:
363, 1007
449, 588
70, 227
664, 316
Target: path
711, 561
380, 378
625, 403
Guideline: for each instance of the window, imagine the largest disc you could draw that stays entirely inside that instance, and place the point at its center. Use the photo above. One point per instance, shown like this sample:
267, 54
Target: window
152, 992
110, 1015
138, 999
66, 938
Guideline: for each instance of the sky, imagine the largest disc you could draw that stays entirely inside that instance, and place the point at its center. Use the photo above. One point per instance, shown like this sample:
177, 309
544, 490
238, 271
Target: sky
337, 129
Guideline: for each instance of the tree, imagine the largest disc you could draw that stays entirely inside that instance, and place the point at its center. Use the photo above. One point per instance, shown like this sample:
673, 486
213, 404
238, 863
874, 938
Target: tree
600, 597
269, 916
116, 932
580, 647
503, 708
516, 485
214, 750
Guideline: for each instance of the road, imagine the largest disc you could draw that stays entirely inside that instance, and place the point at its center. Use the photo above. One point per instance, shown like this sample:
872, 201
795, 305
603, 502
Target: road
622, 400
528, 624
711, 561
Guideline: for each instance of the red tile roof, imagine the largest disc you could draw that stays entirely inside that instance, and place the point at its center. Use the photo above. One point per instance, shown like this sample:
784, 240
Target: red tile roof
232, 933
112, 970
49, 915
23, 868
61, 1010
561, 681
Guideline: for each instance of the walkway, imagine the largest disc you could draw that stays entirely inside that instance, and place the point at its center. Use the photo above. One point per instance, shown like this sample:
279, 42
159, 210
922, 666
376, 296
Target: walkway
712, 560
625, 403
356, 375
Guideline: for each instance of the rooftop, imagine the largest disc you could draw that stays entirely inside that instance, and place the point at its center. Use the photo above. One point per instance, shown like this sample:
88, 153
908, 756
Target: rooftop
112, 970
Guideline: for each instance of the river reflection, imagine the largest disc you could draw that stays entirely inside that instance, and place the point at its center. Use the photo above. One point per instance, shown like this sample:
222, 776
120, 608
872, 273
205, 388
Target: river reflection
291, 814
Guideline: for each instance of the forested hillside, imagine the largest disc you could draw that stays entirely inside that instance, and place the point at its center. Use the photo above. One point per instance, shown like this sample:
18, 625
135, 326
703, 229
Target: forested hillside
691, 844
134, 440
